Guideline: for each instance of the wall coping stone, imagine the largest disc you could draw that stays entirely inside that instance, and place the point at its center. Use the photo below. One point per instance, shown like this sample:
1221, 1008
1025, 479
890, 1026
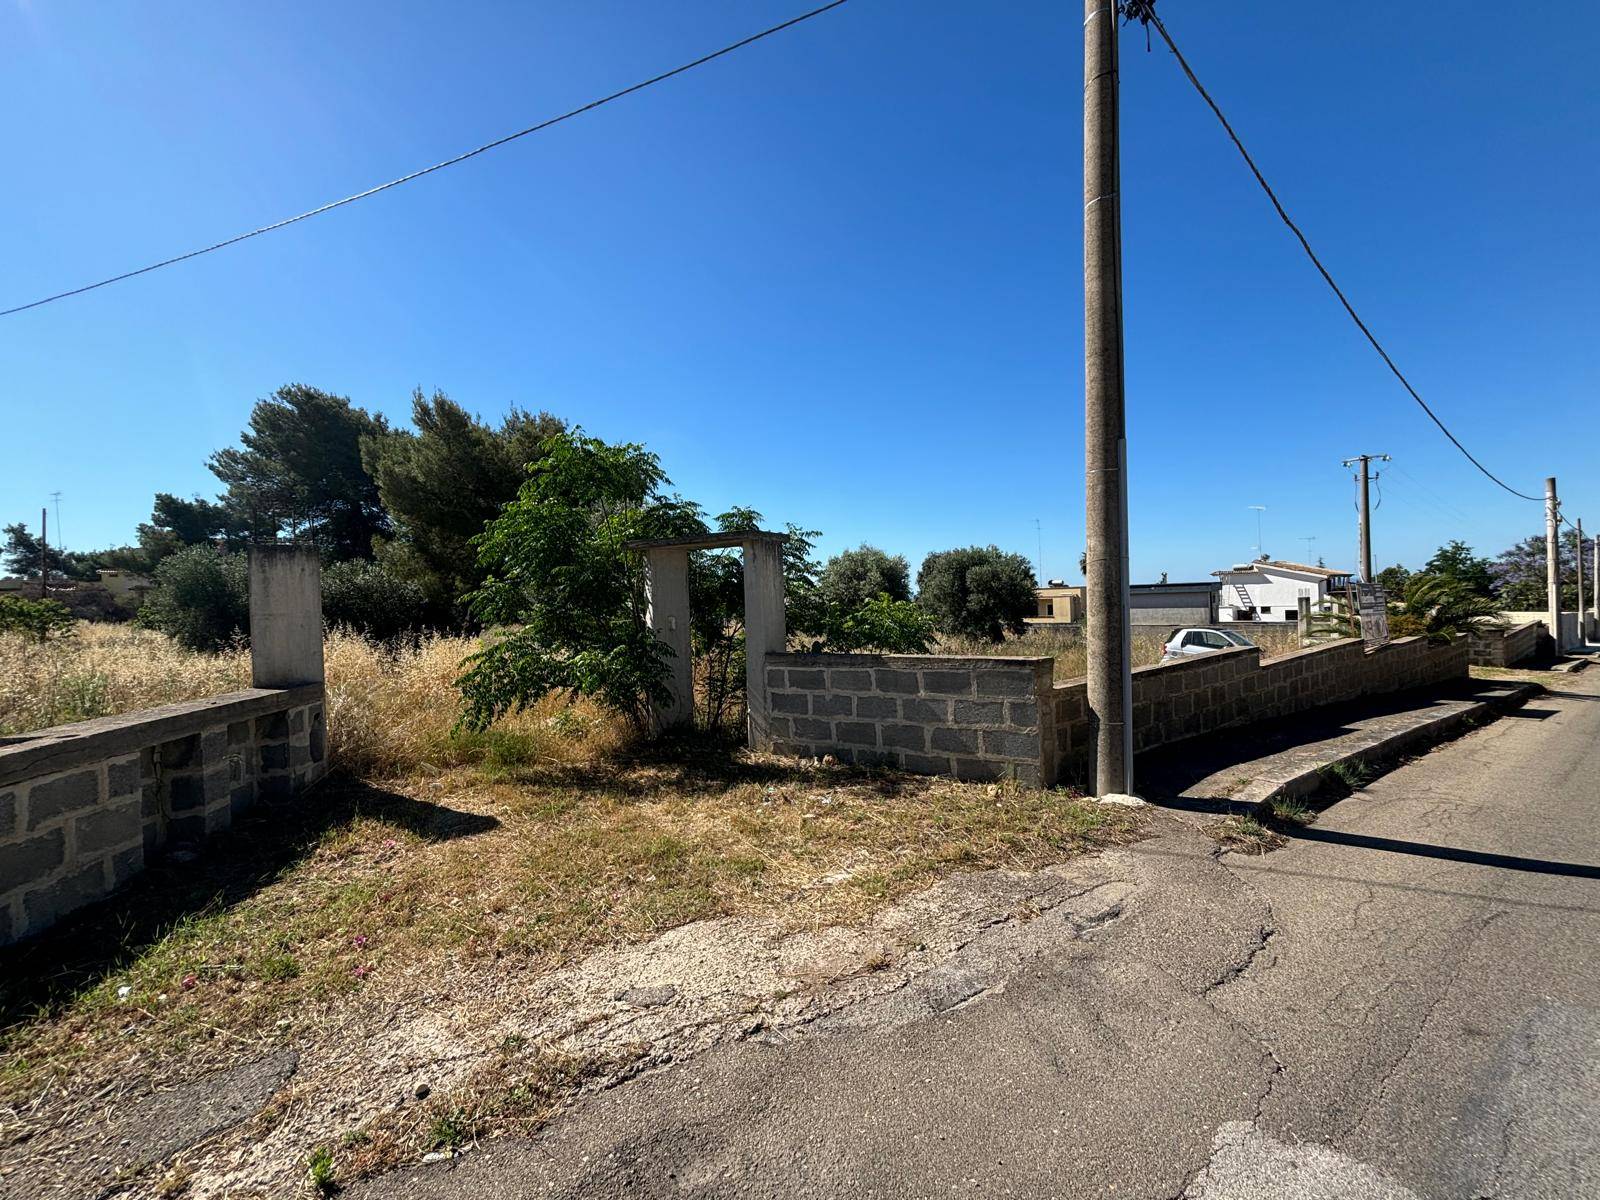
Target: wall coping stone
63, 747
1504, 631
930, 662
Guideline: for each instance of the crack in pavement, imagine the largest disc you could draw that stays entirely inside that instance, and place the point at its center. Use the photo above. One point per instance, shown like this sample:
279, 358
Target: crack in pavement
1473, 930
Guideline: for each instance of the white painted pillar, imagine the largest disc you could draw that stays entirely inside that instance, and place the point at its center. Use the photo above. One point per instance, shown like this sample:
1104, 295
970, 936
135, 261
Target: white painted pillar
667, 585
285, 616
764, 630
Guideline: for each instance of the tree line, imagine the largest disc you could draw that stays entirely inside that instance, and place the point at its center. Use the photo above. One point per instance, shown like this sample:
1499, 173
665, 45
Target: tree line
455, 524
1515, 579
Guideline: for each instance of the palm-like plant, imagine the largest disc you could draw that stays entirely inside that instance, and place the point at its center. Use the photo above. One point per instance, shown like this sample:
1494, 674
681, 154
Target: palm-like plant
1445, 608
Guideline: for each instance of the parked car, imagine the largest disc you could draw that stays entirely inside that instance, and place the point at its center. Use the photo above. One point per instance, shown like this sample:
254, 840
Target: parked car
1184, 642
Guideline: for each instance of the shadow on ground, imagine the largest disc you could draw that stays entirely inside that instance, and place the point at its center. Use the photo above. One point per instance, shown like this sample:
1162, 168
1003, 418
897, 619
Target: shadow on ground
700, 763
48, 970
1481, 858
1164, 775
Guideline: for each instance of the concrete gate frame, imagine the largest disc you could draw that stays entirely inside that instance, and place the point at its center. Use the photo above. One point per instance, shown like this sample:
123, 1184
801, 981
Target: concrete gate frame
666, 565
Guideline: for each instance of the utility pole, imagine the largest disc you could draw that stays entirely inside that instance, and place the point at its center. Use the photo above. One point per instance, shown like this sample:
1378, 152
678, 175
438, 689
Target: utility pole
44, 551
1552, 558
1595, 577
1366, 510
1110, 677
1583, 617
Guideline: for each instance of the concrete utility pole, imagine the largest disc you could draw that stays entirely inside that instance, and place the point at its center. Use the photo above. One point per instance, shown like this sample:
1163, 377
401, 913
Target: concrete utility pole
44, 552
1366, 510
1583, 617
1552, 558
1110, 678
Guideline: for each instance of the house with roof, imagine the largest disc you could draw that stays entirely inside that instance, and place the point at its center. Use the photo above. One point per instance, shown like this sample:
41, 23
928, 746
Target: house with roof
1270, 589
1058, 604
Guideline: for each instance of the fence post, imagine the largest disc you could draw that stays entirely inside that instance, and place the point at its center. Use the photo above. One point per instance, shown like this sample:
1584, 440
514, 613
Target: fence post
666, 573
285, 616
764, 629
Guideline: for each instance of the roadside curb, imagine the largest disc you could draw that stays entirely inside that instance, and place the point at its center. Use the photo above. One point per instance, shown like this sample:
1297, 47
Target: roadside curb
1380, 748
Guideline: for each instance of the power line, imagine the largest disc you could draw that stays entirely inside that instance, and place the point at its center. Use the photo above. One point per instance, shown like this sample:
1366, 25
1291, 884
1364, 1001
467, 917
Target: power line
1144, 11
439, 166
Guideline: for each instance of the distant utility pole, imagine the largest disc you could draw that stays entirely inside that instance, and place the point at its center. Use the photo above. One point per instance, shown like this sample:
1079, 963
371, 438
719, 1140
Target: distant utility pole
1366, 510
60, 539
44, 551
1552, 558
1583, 617
1110, 677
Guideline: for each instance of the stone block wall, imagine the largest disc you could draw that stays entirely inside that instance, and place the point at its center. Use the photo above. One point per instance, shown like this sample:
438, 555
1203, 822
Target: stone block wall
1207, 692
1504, 647
84, 807
974, 718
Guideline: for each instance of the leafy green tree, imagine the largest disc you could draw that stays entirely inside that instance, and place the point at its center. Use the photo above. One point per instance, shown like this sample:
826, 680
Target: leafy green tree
25, 554
567, 593
852, 579
1393, 580
38, 619
1455, 560
1519, 572
443, 483
201, 597
1442, 607
298, 469
884, 625
122, 558
369, 599
979, 591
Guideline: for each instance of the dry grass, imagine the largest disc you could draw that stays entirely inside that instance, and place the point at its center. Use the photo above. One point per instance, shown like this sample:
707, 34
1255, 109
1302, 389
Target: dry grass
105, 669
1070, 655
371, 887
390, 712
432, 854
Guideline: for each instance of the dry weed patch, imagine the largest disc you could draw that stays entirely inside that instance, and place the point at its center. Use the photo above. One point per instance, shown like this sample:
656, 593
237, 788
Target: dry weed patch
363, 891
431, 856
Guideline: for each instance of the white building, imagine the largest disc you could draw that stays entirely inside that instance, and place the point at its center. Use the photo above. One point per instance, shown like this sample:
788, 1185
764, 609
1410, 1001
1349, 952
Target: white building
1270, 590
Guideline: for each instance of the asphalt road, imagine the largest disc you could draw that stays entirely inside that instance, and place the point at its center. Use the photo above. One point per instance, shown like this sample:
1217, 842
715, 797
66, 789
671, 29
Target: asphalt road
1403, 1003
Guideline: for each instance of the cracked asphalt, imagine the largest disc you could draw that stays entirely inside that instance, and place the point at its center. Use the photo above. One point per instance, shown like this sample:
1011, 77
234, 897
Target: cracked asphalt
1402, 1003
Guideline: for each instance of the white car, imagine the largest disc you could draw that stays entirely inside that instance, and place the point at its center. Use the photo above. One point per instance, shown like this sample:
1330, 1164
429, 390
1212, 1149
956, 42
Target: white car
1185, 642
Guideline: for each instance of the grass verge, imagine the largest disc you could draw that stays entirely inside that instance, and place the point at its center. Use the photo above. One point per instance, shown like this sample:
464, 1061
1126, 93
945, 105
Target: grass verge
366, 887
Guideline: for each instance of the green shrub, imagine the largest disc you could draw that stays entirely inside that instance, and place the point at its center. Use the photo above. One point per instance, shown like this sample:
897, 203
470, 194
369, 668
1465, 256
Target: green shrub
1443, 608
371, 600
884, 626
40, 619
979, 591
570, 594
201, 598
853, 579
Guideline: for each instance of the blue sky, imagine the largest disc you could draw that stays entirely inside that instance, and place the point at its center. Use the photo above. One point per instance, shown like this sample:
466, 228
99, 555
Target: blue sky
835, 276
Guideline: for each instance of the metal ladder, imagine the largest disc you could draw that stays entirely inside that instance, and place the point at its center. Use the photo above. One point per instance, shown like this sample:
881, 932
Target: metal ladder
1244, 596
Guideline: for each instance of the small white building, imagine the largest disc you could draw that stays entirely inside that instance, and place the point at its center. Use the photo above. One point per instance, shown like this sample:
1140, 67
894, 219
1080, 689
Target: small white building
1270, 590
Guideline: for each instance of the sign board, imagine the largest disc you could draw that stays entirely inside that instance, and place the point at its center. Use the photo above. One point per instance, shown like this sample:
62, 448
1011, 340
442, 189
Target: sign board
1372, 606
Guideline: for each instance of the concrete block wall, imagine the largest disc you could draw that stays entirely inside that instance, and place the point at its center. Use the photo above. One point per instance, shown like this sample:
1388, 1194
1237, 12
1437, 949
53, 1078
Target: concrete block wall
1207, 692
1504, 647
974, 718
85, 807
